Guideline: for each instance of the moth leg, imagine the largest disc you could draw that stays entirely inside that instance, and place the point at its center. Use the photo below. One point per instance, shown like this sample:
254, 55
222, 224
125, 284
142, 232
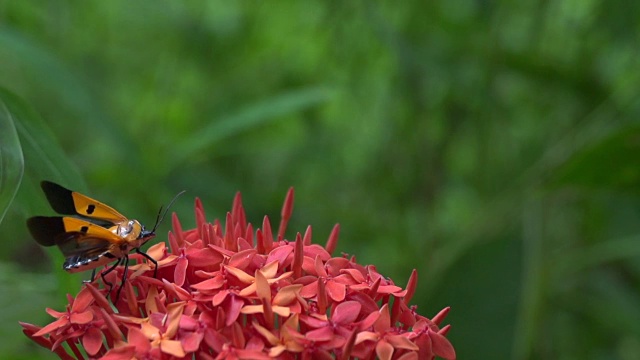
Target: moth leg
104, 273
155, 263
125, 262
93, 277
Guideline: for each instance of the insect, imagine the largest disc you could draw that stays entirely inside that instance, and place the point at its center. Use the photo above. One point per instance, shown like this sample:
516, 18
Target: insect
94, 235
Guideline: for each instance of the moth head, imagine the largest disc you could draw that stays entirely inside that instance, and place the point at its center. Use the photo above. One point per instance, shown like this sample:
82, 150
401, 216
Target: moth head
130, 230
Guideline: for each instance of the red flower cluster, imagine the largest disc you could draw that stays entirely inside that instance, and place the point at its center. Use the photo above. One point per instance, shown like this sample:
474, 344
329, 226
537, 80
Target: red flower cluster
235, 293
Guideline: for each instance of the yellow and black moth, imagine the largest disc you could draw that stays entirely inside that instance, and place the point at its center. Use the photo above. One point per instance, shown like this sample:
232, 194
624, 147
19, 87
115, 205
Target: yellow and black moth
93, 235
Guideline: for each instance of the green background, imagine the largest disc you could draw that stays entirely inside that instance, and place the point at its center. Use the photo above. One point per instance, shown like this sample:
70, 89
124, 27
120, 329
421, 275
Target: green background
492, 145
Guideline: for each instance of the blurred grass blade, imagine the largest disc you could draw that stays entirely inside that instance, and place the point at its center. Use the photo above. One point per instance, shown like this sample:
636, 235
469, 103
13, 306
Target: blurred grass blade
269, 110
38, 62
47, 159
609, 163
582, 259
11, 160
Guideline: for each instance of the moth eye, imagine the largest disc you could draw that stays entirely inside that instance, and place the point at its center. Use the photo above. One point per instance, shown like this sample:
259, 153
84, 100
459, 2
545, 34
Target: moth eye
126, 229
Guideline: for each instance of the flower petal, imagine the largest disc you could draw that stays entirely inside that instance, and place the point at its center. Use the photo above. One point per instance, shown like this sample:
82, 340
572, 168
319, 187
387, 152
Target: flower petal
366, 336
270, 270
29, 328
368, 321
206, 257
252, 309
319, 267
99, 298
137, 338
268, 335
401, 342
121, 353
81, 318
55, 314
92, 340
321, 334
149, 331
409, 356
390, 289
275, 351
314, 250
220, 297
441, 315
249, 290
232, 308
210, 284
191, 341
346, 312
263, 290
355, 274
441, 346
384, 350
384, 321
53, 326
82, 301
336, 291
181, 271
150, 302
279, 255
309, 290
188, 323
157, 251
177, 230
287, 294
241, 275
368, 304
251, 355
174, 311
241, 259
172, 347
214, 339
334, 265
313, 322
282, 311
111, 325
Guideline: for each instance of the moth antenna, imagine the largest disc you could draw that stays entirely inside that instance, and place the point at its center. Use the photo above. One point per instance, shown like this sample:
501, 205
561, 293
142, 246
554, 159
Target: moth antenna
159, 218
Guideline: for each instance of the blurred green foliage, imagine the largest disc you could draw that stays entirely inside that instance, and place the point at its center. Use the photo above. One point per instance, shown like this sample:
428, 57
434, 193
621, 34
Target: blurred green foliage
491, 145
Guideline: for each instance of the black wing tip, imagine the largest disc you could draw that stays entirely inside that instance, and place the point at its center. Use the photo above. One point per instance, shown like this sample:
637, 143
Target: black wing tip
45, 229
59, 197
49, 186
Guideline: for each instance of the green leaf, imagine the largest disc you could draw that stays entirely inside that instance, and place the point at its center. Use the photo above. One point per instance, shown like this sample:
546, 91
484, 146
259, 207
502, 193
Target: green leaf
612, 163
44, 155
579, 260
269, 110
25, 298
11, 160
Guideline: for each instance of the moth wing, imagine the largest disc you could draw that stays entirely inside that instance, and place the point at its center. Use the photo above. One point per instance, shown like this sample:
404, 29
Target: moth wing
72, 224
47, 230
78, 243
84, 252
67, 202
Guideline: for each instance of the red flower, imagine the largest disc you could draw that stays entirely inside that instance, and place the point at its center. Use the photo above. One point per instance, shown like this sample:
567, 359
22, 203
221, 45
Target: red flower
79, 322
229, 292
